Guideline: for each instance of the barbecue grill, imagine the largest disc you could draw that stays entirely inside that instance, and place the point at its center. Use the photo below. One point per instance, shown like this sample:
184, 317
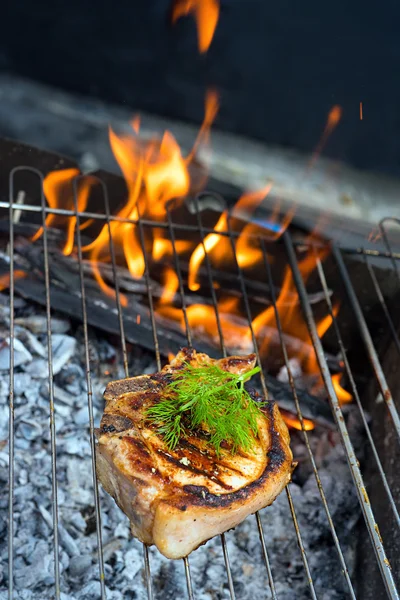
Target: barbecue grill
385, 487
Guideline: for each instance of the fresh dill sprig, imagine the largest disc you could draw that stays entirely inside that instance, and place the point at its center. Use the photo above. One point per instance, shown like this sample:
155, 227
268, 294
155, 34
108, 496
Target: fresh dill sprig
209, 399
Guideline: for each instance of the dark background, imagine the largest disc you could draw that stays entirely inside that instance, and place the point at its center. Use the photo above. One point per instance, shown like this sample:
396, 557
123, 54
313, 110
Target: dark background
279, 66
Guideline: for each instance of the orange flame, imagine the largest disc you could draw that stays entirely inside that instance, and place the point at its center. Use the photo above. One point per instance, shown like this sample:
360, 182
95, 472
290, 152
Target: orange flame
5, 279
248, 252
171, 285
59, 193
162, 247
219, 246
203, 321
155, 173
198, 254
294, 423
206, 13
343, 395
210, 112
334, 117
290, 314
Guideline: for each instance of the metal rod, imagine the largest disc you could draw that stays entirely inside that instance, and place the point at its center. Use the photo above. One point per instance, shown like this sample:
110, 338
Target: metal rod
11, 427
223, 350
365, 334
178, 226
264, 388
365, 504
51, 401
210, 279
300, 543
90, 398
189, 340
180, 278
157, 352
266, 557
146, 557
188, 578
50, 359
392, 255
149, 294
383, 304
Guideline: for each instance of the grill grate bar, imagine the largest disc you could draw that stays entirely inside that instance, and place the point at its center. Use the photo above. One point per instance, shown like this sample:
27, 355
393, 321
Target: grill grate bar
382, 302
345, 570
158, 362
224, 353
351, 457
300, 543
11, 427
264, 387
355, 393
90, 401
146, 557
51, 401
392, 255
188, 578
363, 328
266, 557
179, 275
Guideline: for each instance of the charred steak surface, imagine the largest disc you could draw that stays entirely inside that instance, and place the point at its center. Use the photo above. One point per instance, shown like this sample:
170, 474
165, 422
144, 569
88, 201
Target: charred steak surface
179, 499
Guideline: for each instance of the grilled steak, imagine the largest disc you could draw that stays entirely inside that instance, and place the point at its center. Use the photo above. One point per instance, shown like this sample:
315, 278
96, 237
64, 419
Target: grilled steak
179, 499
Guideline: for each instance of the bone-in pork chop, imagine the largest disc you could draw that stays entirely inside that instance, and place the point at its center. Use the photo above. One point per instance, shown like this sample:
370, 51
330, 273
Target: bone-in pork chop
178, 499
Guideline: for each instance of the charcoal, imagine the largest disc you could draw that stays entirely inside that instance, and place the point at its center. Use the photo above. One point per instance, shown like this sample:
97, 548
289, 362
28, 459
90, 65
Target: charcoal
74, 521
63, 347
29, 431
22, 383
81, 416
91, 590
21, 354
42, 571
31, 342
38, 369
38, 324
78, 565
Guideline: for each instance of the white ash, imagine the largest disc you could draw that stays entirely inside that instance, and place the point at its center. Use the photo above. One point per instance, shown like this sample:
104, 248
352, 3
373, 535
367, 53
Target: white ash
124, 570
295, 370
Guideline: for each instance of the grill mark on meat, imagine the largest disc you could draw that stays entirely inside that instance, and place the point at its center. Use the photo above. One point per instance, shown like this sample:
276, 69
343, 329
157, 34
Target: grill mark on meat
195, 470
137, 401
237, 363
199, 453
200, 496
115, 389
112, 423
161, 378
139, 454
189, 353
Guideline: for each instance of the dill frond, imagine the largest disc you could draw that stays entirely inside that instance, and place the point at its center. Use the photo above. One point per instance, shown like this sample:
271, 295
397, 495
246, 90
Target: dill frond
209, 399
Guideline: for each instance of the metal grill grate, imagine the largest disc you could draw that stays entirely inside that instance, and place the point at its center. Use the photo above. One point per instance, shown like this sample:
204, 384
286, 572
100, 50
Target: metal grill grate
171, 228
